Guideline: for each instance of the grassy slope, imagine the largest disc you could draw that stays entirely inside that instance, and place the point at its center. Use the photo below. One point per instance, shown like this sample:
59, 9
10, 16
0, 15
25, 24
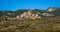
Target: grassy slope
38, 25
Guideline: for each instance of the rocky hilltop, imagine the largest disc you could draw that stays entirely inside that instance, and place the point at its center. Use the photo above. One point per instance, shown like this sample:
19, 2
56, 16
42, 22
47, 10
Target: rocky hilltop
30, 14
53, 9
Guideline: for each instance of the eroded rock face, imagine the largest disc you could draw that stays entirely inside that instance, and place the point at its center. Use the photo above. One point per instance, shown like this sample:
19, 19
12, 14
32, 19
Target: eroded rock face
47, 14
30, 15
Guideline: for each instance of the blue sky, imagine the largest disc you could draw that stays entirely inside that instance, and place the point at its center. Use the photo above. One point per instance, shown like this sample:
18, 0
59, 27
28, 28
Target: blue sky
28, 4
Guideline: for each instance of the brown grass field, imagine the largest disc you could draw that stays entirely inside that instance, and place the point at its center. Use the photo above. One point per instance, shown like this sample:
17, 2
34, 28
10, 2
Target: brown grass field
37, 25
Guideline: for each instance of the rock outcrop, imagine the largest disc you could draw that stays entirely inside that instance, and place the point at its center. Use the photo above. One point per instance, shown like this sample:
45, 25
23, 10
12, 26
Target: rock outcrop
53, 9
29, 15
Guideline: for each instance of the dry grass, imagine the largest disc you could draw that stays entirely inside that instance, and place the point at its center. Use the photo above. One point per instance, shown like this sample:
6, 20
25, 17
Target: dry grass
38, 25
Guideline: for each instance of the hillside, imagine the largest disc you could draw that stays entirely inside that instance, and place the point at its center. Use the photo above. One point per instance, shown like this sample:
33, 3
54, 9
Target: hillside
35, 20
30, 14
55, 11
37, 25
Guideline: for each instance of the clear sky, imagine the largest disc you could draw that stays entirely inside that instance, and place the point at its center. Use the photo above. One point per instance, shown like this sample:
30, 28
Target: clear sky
28, 4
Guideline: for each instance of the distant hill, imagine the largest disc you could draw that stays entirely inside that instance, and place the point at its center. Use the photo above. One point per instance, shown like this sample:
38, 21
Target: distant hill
55, 11
52, 11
